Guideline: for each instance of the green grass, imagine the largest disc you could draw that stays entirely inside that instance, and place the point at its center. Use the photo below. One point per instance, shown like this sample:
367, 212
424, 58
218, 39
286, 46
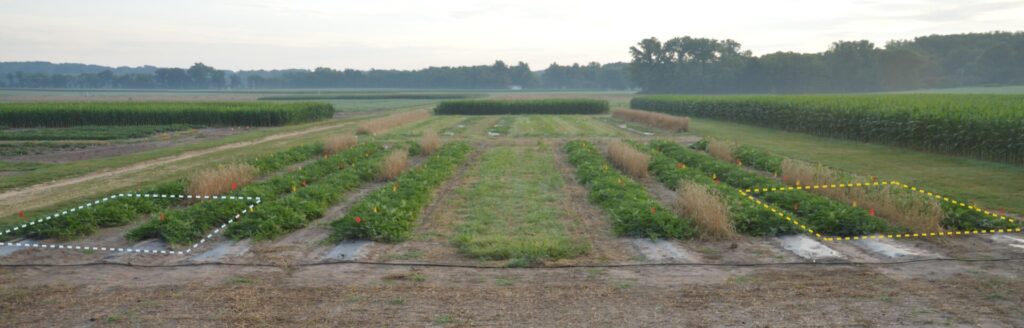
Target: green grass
992, 185
562, 126
19, 166
512, 212
1006, 89
435, 123
20, 148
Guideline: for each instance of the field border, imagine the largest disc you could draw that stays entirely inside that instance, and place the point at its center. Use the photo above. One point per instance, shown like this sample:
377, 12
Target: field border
251, 208
749, 194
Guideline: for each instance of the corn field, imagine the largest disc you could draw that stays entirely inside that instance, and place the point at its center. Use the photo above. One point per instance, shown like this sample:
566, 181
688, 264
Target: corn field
69, 114
989, 127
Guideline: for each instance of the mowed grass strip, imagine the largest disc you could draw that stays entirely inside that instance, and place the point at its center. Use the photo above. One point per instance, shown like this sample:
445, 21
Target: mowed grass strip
511, 210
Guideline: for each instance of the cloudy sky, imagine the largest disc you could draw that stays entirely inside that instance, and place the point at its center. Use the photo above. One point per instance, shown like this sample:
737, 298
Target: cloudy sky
405, 34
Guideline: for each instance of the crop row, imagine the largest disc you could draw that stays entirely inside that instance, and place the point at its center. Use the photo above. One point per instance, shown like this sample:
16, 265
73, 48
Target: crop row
69, 114
746, 216
518, 107
124, 210
190, 224
631, 208
389, 214
92, 132
954, 216
818, 213
982, 126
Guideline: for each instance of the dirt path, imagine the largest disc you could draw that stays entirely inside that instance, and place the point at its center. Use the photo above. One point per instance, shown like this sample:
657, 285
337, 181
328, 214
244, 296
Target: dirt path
374, 295
44, 194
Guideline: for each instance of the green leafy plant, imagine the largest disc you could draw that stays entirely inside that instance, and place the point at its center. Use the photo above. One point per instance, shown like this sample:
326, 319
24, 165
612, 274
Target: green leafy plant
389, 214
633, 211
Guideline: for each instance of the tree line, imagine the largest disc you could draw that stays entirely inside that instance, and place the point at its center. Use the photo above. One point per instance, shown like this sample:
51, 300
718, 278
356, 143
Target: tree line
200, 76
702, 65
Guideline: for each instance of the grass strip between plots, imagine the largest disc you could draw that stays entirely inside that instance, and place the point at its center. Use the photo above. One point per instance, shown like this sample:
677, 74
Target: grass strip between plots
389, 214
188, 225
633, 211
512, 211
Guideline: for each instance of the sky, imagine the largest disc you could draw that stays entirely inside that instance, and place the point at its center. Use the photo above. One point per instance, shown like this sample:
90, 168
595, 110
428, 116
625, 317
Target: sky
411, 34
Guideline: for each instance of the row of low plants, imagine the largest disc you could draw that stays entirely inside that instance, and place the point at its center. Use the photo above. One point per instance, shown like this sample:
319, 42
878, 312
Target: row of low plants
92, 132
374, 96
295, 210
518, 107
954, 217
633, 211
987, 127
390, 213
188, 225
72, 114
746, 216
124, 210
817, 212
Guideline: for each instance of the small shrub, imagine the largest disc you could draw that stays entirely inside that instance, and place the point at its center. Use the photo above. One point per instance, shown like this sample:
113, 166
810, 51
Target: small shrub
394, 164
710, 215
429, 142
722, 150
219, 180
339, 143
657, 120
628, 159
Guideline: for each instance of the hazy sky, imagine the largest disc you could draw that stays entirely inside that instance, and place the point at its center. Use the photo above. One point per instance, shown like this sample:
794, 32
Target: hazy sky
237, 34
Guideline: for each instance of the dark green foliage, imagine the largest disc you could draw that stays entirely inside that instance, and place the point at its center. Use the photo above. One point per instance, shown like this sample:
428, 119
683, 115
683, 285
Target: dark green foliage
372, 96
55, 114
295, 210
92, 132
188, 225
955, 217
987, 127
515, 107
282, 159
817, 212
746, 216
633, 211
389, 214
112, 213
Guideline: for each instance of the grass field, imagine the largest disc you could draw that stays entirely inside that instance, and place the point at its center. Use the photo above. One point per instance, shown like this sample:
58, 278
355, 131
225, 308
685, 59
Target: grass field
511, 209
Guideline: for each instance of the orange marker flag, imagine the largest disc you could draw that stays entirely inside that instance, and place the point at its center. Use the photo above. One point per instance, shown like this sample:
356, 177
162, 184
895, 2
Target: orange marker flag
21, 214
